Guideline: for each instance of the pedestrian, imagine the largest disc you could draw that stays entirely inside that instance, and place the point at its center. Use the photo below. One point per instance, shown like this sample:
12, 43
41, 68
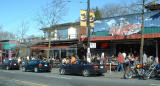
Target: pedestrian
131, 59
144, 58
157, 60
73, 59
102, 58
19, 60
120, 60
67, 60
64, 61
126, 66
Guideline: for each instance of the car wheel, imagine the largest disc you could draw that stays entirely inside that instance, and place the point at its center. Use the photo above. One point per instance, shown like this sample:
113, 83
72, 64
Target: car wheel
36, 69
101, 74
48, 70
85, 73
7, 68
23, 69
62, 71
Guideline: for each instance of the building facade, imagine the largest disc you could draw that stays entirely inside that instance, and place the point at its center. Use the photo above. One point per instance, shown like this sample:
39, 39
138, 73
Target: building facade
8, 49
123, 34
62, 39
111, 36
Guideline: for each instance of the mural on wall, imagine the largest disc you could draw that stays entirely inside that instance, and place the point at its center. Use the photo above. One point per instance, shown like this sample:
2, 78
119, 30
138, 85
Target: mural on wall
127, 25
122, 27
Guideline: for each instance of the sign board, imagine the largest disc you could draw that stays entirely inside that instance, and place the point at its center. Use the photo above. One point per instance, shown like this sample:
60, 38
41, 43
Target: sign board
83, 18
92, 45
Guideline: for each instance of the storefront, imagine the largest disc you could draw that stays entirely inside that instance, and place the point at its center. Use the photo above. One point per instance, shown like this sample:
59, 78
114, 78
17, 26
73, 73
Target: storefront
123, 34
61, 53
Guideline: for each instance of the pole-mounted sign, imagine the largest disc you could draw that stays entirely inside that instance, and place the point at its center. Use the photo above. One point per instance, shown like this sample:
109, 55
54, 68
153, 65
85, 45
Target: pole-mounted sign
83, 18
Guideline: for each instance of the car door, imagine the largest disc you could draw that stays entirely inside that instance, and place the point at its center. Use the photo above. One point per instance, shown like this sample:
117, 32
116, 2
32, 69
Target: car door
68, 68
30, 65
77, 68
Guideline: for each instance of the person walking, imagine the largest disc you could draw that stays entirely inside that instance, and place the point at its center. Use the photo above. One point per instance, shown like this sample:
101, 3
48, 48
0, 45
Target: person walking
120, 60
126, 67
131, 59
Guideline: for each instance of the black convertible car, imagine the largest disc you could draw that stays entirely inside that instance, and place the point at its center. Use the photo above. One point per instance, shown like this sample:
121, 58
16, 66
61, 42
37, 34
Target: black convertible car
36, 66
82, 67
10, 64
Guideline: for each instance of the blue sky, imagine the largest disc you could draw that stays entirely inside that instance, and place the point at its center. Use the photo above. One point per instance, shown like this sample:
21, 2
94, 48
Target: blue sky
14, 12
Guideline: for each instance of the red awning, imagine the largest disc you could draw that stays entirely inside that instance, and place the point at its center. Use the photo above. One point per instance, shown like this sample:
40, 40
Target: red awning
134, 36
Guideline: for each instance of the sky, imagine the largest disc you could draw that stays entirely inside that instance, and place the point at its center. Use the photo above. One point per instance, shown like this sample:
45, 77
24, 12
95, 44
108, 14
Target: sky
14, 12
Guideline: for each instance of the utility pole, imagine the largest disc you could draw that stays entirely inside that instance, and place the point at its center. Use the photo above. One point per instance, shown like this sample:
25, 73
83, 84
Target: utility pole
88, 28
142, 31
88, 22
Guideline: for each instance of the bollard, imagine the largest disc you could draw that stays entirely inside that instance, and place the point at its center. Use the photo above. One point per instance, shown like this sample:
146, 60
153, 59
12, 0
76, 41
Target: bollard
110, 69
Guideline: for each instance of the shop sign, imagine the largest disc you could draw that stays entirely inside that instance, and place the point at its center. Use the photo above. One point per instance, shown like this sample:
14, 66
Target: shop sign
92, 45
83, 18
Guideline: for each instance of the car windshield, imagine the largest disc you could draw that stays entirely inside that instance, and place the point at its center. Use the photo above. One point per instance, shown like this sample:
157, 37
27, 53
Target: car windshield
13, 61
81, 62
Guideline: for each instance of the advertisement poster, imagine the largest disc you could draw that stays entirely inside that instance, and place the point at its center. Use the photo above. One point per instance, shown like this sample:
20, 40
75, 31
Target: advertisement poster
128, 24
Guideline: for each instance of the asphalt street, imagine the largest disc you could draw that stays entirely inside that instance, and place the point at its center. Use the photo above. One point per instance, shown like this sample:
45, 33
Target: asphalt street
19, 78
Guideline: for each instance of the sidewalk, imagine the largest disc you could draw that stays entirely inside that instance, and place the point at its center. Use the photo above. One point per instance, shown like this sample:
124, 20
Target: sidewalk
106, 75
113, 74
55, 70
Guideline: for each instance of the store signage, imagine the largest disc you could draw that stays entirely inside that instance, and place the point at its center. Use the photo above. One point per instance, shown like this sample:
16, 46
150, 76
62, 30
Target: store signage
83, 18
92, 45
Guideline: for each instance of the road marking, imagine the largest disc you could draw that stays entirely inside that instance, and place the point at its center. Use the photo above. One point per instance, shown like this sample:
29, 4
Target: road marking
8, 71
24, 82
31, 83
65, 77
154, 85
11, 71
58, 77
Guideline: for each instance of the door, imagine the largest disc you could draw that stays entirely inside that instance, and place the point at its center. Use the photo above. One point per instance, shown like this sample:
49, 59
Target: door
56, 54
31, 65
77, 68
63, 53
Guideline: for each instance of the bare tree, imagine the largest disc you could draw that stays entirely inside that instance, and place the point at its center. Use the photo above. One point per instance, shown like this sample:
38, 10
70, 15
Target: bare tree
22, 31
110, 10
52, 13
0, 27
4, 35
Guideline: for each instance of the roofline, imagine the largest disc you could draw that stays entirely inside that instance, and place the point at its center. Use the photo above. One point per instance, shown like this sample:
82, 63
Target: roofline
7, 40
127, 15
60, 25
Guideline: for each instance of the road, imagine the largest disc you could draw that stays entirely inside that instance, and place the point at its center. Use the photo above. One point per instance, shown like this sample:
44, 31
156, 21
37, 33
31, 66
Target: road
18, 78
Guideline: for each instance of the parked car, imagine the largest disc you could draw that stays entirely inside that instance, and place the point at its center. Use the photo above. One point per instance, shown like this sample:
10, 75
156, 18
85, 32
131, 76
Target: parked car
82, 67
10, 64
36, 66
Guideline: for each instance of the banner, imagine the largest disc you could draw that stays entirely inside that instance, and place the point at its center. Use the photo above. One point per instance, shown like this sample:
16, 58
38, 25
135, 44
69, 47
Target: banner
83, 18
